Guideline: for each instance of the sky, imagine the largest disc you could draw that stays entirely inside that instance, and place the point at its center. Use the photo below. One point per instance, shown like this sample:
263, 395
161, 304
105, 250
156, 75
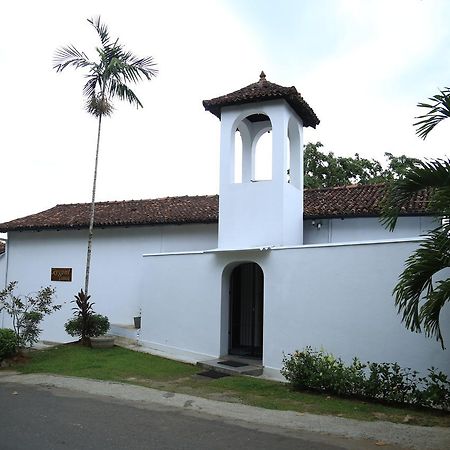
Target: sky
362, 65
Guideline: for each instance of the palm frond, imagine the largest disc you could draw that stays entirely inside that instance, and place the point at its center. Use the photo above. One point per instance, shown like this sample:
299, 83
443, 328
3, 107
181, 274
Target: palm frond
438, 110
121, 90
101, 29
431, 310
136, 68
432, 175
108, 76
69, 56
416, 282
90, 87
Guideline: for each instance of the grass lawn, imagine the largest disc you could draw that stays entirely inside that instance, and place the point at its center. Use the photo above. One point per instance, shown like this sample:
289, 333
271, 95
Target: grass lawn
122, 365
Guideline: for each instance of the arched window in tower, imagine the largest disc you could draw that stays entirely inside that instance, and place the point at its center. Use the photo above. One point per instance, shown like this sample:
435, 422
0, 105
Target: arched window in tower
237, 156
294, 155
263, 157
252, 152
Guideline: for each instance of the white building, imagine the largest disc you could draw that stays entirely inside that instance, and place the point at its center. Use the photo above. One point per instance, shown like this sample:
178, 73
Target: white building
263, 269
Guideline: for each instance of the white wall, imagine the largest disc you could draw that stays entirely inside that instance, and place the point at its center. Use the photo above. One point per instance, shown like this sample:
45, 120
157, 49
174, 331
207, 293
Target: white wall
181, 304
115, 272
363, 229
337, 297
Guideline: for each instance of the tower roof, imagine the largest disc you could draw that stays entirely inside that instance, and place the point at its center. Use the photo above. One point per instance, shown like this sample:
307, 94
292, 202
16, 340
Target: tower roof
264, 90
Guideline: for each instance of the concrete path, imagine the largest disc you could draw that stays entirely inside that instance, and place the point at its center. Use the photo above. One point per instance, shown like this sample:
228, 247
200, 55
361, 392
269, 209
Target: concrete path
381, 433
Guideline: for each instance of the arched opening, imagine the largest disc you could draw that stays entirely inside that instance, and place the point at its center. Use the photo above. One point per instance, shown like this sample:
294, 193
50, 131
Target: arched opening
263, 158
238, 157
246, 302
294, 157
251, 149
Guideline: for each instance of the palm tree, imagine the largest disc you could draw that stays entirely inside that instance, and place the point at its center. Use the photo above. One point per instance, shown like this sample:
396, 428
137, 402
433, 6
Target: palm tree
107, 78
418, 297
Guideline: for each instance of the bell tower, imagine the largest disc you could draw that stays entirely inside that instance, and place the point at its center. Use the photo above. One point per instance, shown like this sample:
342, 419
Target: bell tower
261, 212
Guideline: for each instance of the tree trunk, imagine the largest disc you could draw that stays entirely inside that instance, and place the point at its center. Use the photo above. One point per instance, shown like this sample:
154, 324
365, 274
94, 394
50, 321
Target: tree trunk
91, 222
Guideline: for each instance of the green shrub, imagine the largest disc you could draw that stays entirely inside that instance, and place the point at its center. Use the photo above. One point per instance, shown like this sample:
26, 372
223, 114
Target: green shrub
27, 311
322, 372
437, 390
387, 382
393, 384
8, 343
96, 325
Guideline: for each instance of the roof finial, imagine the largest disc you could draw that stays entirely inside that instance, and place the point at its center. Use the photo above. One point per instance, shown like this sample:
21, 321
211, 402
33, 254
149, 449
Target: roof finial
262, 76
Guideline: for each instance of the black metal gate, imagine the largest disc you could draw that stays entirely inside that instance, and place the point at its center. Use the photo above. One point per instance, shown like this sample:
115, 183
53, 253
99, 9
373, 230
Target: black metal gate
246, 310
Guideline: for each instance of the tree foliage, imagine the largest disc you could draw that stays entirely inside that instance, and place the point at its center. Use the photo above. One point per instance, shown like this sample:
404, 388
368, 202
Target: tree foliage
325, 169
109, 76
421, 291
27, 311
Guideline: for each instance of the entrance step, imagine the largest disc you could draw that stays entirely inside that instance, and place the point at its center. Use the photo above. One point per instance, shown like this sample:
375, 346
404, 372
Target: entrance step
125, 331
233, 366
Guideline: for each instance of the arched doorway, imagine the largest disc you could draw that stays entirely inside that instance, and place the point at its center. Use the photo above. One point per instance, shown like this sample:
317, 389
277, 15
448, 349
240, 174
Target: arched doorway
245, 337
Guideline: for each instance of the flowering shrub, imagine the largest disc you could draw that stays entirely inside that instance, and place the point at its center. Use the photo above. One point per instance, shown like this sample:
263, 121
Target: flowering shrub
387, 382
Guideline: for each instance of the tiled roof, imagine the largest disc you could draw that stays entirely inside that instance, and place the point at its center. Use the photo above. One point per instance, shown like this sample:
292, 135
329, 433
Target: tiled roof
264, 90
2, 247
356, 200
169, 210
347, 201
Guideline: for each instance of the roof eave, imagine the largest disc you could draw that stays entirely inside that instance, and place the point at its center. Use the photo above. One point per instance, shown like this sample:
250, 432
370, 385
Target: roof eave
108, 225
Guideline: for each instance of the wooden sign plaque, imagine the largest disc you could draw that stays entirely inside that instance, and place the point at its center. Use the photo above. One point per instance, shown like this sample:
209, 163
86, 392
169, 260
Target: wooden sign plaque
61, 274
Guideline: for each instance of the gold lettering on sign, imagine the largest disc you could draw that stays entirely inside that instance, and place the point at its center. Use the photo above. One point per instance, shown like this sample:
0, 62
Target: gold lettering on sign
61, 274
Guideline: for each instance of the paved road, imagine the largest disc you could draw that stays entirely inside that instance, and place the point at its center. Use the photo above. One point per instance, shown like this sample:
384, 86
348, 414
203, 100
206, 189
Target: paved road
51, 418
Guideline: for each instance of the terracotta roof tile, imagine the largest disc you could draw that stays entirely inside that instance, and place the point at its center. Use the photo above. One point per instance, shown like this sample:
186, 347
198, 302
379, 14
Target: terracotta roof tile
356, 201
346, 201
264, 90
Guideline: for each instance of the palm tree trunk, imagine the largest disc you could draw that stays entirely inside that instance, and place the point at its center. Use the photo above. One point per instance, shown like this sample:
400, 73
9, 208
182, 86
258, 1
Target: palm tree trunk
91, 222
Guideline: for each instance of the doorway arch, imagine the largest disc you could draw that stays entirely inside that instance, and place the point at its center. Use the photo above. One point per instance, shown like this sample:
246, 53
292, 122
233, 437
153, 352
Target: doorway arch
246, 310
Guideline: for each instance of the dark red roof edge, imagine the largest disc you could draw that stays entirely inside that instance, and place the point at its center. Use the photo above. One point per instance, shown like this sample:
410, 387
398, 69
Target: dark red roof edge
324, 203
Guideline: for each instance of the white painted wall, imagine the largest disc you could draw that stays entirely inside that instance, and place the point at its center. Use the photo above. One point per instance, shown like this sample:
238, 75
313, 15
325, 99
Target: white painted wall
341, 300
116, 259
363, 228
337, 297
181, 304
